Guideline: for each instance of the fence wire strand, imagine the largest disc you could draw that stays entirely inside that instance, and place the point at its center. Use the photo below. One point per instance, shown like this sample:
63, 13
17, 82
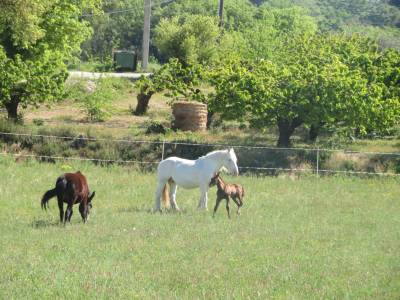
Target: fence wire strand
198, 144
79, 158
163, 143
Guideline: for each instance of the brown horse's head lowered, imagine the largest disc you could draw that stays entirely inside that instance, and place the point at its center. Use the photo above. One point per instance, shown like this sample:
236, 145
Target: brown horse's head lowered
71, 188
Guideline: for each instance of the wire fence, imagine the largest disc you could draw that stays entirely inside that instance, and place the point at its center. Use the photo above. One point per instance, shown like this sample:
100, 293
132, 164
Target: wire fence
258, 159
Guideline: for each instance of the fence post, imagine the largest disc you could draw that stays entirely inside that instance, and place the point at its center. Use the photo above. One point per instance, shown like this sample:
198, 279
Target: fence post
162, 153
317, 161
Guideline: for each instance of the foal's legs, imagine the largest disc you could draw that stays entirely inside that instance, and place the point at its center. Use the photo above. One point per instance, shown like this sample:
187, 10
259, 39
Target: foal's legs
172, 195
227, 206
216, 205
237, 203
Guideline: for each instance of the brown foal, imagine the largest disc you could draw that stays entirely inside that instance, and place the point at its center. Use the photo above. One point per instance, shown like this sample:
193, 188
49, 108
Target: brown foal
226, 191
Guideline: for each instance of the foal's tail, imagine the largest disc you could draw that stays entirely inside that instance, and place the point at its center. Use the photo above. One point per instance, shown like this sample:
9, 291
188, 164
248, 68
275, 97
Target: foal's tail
46, 197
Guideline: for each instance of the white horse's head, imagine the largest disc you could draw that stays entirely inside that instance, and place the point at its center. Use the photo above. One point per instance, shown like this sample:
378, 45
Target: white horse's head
230, 162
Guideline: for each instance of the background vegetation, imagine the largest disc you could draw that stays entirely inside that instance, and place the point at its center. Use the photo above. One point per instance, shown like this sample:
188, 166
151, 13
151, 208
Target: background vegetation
269, 64
378, 19
284, 63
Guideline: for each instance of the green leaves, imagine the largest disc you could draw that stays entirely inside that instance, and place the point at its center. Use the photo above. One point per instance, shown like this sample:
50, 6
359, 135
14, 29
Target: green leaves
35, 41
97, 104
335, 80
176, 80
191, 39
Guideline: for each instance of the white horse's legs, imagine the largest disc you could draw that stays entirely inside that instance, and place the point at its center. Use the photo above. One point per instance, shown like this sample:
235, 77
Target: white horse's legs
203, 198
159, 190
172, 195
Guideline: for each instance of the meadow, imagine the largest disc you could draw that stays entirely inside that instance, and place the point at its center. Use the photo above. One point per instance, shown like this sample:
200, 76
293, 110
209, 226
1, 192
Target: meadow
310, 238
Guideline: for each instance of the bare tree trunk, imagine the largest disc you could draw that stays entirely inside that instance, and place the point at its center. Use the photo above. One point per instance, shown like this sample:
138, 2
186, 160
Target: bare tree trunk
210, 115
143, 103
12, 107
313, 132
286, 129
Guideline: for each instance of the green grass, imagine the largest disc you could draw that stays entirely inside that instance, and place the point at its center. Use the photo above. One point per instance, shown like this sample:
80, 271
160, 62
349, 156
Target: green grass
310, 238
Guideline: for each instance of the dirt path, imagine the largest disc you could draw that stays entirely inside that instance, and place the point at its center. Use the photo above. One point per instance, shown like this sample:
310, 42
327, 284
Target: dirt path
94, 75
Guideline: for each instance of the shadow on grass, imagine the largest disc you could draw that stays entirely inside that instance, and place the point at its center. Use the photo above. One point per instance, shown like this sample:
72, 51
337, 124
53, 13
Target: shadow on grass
44, 223
147, 210
135, 210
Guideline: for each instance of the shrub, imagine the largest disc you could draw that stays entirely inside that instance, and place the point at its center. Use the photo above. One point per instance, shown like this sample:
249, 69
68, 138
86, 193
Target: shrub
156, 127
97, 104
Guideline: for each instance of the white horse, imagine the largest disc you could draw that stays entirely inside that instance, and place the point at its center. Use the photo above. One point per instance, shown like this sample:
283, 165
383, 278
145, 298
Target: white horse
191, 174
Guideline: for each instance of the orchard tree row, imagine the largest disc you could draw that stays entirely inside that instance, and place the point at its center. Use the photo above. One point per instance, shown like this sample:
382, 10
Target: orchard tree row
269, 65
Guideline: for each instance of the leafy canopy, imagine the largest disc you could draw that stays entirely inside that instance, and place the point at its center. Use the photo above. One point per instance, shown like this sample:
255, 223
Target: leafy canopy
329, 79
36, 38
176, 80
192, 39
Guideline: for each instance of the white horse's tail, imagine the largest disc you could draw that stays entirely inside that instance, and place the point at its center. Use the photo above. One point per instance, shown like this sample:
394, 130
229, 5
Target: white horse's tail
165, 194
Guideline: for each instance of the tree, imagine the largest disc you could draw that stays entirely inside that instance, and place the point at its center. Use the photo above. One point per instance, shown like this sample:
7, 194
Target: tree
357, 15
269, 27
114, 31
237, 13
377, 19
329, 79
191, 39
36, 38
178, 80
273, 26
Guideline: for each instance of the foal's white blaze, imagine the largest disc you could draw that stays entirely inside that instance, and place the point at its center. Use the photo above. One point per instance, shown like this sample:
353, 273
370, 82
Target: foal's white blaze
192, 173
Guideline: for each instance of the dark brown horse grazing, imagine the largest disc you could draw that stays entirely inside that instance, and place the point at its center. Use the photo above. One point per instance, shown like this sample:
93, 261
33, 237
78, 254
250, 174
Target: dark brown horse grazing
226, 191
71, 188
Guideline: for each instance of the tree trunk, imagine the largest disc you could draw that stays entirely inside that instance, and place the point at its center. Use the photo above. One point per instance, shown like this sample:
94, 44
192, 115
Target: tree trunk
209, 118
313, 133
286, 129
12, 108
143, 103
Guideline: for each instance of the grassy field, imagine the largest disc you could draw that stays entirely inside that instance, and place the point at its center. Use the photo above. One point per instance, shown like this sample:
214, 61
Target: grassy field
330, 238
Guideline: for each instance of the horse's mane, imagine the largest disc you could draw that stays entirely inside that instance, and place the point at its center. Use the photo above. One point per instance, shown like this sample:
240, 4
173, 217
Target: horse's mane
214, 153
